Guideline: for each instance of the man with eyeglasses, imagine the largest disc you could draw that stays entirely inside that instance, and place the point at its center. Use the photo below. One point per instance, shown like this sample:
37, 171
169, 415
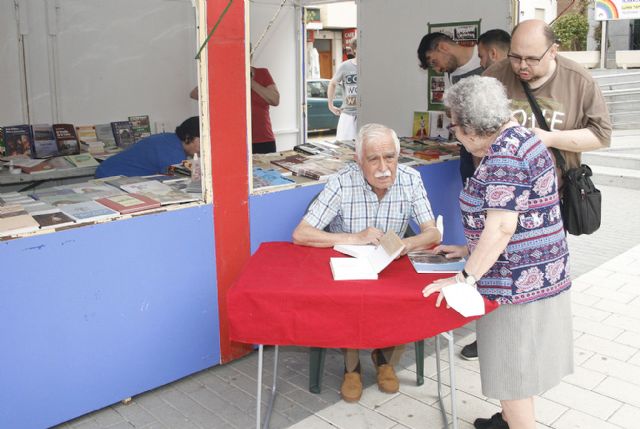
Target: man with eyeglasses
441, 53
569, 97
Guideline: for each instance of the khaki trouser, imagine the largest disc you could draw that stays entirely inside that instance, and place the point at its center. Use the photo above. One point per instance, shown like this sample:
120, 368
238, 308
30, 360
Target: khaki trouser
391, 354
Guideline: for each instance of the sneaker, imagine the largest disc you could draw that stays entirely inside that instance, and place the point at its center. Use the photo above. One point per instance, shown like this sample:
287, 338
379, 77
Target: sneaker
470, 351
495, 422
351, 389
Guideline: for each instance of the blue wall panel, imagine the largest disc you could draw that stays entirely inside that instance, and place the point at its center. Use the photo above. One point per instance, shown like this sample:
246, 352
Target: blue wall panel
273, 216
92, 315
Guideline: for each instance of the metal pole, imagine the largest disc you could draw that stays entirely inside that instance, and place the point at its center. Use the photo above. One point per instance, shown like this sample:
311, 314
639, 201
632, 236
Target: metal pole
259, 383
603, 45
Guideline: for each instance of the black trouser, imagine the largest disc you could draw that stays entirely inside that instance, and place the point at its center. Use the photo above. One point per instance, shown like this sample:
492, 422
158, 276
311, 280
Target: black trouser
264, 147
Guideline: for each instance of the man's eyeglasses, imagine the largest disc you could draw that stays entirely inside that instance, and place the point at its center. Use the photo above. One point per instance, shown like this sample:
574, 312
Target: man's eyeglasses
531, 61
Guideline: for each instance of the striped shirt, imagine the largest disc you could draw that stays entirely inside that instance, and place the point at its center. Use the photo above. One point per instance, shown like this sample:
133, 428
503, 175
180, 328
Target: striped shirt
348, 203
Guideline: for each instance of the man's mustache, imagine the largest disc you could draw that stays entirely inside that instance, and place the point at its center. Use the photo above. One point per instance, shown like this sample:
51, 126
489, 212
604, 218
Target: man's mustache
379, 174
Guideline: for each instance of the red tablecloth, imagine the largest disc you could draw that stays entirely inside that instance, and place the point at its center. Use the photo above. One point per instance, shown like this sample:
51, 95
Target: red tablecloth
287, 296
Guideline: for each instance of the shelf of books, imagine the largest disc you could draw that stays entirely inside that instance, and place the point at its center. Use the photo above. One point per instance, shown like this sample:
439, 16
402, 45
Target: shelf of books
314, 162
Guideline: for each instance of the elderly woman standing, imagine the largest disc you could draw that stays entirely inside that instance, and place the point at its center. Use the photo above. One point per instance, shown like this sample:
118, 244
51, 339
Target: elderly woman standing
517, 253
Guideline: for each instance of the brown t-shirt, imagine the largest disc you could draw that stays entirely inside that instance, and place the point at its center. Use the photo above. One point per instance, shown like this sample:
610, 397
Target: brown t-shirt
570, 100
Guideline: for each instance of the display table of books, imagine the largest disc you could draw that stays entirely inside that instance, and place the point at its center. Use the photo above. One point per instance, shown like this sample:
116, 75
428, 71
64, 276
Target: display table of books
314, 162
286, 295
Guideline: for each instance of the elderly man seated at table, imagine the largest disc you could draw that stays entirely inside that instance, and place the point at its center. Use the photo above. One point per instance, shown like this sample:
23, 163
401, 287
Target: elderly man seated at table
359, 204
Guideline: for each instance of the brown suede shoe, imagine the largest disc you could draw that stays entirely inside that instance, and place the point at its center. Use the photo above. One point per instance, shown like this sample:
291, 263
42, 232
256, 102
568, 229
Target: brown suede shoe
351, 389
386, 376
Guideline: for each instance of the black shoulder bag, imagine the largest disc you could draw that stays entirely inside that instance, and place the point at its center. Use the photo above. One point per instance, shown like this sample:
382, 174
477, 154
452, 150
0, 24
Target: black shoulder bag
581, 202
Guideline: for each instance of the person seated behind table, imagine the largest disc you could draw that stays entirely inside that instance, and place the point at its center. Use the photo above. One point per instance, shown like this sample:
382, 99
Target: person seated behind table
154, 154
359, 204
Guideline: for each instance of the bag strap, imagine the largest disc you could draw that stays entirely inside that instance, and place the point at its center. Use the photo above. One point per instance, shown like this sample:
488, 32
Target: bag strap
542, 122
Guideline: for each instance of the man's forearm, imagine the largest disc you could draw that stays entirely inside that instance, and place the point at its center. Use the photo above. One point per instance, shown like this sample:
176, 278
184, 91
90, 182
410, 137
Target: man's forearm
425, 240
582, 140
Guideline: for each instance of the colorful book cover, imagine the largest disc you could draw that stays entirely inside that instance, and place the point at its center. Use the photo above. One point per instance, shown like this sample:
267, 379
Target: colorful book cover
141, 126
17, 141
44, 141
66, 138
53, 220
420, 129
129, 203
15, 220
123, 133
86, 133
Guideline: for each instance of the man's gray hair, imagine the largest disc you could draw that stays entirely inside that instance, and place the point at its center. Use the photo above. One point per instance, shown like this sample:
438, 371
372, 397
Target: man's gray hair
372, 132
478, 104
354, 43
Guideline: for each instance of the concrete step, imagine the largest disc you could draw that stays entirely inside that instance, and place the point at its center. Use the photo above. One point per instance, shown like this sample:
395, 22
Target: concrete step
613, 176
613, 158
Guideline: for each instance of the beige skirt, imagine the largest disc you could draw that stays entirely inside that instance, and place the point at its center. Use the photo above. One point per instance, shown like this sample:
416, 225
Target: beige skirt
525, 349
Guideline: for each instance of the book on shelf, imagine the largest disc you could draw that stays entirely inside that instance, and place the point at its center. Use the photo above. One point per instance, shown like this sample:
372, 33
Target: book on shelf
2, 146
60, 163
15, 220
173, 196
123, 133
18, 141
56, 219
33, 166
104, 133
39, 207
420, 128
371, 264
141, 126
119, 181
129, 203
429, 262
86, 133
270, 179
12, 198
89, 211
63, 199
66, 139
44, 141
438, 126
92, 190
82, 160
318, 170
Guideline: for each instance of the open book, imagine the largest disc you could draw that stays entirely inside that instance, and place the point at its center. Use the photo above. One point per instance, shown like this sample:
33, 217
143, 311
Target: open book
370, 262
429, 262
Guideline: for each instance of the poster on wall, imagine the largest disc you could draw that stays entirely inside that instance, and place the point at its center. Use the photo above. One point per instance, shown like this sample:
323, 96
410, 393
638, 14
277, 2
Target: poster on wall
610, 10
347, 37
464, 33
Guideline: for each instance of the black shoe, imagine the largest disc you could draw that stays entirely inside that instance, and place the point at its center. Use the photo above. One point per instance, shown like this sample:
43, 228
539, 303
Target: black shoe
470, 351
495, 422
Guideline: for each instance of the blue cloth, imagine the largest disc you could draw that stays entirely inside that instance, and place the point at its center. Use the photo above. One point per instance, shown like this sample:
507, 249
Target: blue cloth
151, 155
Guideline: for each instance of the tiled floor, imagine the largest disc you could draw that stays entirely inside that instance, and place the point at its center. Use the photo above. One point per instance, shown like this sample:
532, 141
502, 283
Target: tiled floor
604, 391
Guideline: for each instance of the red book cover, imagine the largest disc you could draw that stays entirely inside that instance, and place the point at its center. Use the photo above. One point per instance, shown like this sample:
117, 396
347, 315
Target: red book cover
129, 203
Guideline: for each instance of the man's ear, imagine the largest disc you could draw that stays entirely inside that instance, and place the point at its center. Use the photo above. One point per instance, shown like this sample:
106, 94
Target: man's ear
443, 47
493, 53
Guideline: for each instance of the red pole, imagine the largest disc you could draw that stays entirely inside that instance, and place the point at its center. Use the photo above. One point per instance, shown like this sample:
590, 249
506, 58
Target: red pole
229, 152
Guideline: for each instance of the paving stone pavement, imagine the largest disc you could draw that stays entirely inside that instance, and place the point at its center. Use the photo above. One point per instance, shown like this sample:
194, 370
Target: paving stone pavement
603, 392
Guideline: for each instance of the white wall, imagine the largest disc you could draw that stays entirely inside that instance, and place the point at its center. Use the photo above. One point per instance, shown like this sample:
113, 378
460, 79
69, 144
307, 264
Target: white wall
278, 52
391, 85
94, 61
11, 107
528, 9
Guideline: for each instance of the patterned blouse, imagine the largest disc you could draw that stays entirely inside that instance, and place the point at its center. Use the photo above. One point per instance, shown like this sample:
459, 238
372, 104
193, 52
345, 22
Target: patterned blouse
518, 175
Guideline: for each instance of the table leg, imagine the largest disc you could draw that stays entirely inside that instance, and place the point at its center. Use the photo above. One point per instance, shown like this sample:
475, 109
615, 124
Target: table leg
452, 379
272, 399
438, 376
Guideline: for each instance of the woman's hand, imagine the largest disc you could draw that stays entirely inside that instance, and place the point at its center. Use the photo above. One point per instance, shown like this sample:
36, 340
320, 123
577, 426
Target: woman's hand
451, 251
437, 287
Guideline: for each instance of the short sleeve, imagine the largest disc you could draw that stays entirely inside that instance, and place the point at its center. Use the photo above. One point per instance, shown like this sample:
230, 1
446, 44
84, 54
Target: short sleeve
507, 182
264, 78
326, 205
420, 203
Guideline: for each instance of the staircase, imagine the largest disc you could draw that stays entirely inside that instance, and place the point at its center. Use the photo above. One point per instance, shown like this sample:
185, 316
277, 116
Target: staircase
621, 89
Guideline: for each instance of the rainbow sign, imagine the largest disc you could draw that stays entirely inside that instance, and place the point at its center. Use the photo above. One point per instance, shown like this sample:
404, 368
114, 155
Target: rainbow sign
607, 10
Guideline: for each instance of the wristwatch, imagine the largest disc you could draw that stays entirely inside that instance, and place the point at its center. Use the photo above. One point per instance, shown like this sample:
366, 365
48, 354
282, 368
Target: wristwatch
468, 278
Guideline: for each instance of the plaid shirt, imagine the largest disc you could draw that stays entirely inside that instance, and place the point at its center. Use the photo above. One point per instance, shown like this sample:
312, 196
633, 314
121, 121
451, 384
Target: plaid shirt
348, 203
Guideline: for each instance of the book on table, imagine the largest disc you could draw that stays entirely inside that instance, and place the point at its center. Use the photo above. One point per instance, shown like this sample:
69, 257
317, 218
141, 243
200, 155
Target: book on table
368, 267
44, 141
123, 133
66, 139
141, 126
82, 160
429, 262
129, 203
18, 141
15, 220
89, 211
32, 166
55, 219
104, 133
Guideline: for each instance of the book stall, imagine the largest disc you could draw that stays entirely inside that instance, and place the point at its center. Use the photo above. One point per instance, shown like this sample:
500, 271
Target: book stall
120, 285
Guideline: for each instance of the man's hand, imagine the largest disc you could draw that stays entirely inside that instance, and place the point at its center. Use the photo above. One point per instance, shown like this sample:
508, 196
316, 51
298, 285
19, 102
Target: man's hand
335, 110
370, 235
451, 251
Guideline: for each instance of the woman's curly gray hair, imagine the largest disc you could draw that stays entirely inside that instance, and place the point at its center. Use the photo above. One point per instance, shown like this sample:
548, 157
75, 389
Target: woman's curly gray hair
478, 104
